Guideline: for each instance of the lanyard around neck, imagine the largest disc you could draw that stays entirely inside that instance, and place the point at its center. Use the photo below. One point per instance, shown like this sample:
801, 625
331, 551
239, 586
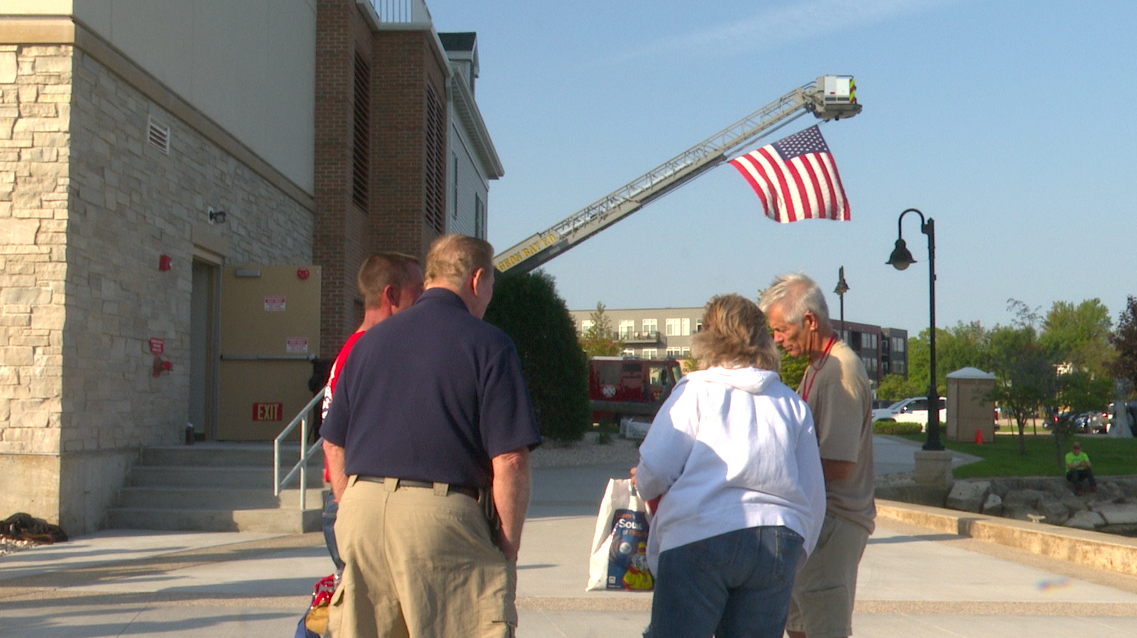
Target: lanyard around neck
807, 385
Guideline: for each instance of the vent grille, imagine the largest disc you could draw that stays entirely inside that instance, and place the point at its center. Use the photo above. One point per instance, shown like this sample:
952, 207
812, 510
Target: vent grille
159, 136
361, 134
435, 162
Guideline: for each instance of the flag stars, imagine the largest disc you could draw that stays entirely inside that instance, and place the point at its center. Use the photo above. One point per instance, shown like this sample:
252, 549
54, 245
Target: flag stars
807, 141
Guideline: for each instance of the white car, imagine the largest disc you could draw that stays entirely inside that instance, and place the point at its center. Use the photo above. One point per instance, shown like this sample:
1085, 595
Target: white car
910, 410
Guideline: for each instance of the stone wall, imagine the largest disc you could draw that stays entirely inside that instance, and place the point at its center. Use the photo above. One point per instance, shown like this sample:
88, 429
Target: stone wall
35, 96
87, 206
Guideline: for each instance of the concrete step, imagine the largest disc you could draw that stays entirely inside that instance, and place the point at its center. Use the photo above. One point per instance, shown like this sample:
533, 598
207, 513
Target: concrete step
215, 477
225, 455
213, 498
277, 521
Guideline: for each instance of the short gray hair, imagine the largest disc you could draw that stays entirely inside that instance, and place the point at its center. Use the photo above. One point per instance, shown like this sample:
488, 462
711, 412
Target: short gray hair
796, 294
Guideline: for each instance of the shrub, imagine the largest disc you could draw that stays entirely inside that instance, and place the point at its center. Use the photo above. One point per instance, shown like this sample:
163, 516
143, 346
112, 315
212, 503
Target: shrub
892, 427
526, 306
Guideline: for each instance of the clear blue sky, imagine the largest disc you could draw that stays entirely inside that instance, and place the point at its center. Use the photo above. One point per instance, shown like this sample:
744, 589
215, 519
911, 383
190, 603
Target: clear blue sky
1011, 123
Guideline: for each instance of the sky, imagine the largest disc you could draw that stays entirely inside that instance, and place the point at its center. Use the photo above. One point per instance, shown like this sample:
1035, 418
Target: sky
1010, 123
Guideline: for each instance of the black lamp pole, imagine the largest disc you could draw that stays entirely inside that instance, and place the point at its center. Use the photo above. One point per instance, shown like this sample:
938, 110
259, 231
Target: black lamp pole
841, 289
900, 259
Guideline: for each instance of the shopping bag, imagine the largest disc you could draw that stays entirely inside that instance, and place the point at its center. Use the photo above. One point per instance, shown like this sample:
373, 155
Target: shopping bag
619, 544
314, 623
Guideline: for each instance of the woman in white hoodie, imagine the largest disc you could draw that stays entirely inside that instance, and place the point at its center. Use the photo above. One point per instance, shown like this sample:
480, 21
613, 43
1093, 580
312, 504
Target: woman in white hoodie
733, 454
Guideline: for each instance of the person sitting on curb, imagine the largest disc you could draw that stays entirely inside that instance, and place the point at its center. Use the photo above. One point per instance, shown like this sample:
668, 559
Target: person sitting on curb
1078, 469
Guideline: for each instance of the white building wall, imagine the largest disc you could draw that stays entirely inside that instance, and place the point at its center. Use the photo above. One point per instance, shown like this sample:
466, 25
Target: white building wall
467, 185
249, 65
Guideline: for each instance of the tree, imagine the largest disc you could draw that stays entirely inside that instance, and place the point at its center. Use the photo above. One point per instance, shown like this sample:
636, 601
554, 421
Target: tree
526, 306
793, 369
1080, 335
894, 387
963, 345
1124, 340
1025, 375
599, 339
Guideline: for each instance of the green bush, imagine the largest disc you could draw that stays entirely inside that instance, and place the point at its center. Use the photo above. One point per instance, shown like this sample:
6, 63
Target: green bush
526, 306
892, 427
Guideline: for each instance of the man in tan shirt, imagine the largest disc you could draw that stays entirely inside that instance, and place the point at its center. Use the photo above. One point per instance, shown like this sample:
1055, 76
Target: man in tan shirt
836, 387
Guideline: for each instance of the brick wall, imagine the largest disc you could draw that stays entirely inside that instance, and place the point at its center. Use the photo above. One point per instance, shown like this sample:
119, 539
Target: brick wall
402, 63
403, 66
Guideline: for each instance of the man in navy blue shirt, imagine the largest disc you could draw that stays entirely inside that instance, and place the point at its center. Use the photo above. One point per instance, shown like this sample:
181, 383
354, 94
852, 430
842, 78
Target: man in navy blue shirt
434, 419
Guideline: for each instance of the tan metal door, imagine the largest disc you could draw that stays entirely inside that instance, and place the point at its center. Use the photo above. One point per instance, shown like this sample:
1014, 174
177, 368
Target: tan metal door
270, 332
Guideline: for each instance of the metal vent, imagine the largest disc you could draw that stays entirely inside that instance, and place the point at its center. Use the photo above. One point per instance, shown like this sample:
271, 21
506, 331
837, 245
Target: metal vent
159, 136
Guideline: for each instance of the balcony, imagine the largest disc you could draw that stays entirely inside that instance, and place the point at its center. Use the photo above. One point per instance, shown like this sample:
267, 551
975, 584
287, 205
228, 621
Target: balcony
396, 12
640, 338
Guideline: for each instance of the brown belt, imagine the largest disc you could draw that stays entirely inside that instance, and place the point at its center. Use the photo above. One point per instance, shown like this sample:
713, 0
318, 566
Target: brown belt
453, 489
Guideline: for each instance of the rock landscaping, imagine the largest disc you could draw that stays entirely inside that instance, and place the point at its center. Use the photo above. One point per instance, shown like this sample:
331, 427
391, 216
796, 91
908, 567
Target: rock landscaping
1049, 500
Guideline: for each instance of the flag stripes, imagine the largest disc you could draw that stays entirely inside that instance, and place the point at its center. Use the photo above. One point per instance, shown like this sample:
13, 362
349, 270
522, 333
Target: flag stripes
796, 178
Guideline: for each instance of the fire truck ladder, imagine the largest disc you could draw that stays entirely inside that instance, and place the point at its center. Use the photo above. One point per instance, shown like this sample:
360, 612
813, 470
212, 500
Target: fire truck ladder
829, 97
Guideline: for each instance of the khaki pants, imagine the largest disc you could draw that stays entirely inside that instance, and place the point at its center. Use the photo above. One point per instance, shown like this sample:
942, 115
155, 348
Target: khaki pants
826, 586
419, 563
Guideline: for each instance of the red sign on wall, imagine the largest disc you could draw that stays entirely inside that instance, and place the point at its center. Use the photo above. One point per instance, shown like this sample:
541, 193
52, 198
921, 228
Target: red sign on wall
157, 346
268, 411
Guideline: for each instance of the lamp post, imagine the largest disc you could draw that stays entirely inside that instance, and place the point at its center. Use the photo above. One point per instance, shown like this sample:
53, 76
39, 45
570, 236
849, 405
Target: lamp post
900, 259
841, 289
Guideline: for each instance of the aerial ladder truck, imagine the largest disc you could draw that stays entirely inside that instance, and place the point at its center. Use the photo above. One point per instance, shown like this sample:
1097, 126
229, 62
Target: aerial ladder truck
830, 97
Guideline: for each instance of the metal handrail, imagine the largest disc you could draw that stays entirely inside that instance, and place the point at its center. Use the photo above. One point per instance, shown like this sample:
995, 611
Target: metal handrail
302, 419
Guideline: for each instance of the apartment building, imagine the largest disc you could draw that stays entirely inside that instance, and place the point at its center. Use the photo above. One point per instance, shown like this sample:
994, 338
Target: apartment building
655, 333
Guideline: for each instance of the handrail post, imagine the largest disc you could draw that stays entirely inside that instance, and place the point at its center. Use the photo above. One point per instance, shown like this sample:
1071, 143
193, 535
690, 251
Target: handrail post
276, 467
303, 461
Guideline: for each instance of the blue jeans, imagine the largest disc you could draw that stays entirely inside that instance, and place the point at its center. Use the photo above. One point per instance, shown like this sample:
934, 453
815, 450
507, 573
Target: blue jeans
331, 509
733, 585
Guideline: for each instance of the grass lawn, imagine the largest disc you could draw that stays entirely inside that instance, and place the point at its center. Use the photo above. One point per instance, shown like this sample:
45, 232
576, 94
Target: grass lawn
1001, 457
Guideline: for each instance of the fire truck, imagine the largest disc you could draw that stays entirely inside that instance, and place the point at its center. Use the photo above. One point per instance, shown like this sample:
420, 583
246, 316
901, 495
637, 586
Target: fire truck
620, 387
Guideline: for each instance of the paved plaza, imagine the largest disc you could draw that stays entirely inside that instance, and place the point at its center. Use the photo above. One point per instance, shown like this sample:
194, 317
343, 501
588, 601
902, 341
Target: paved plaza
914, 580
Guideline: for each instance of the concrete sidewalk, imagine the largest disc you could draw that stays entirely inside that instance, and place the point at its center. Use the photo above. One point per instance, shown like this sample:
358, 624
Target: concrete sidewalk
916, 579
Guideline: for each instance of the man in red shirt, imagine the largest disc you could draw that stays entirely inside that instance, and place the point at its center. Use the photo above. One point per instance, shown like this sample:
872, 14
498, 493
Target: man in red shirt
389, 283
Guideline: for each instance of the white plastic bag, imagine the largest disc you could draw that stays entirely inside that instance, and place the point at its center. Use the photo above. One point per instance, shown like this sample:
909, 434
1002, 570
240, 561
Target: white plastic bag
619, 545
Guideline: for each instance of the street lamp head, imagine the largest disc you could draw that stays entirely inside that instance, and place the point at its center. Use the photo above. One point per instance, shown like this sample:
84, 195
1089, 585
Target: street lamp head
901, 257
842, 285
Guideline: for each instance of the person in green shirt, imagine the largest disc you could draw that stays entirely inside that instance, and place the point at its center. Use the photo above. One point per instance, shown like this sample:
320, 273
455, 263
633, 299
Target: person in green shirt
1078, 469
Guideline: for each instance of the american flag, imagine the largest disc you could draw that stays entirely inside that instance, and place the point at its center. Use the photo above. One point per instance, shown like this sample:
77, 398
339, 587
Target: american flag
796, 178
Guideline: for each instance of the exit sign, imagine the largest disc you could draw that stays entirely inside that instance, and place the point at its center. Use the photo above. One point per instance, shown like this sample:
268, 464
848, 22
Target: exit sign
268, 411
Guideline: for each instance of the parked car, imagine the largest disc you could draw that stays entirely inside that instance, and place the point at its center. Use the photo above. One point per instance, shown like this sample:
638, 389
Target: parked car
910, 410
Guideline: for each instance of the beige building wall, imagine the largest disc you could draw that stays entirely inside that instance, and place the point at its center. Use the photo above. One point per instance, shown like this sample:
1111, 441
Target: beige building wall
87, 206
248, 65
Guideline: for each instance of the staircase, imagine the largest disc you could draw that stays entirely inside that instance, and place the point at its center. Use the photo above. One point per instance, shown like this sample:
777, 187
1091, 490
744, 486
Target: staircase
217, 487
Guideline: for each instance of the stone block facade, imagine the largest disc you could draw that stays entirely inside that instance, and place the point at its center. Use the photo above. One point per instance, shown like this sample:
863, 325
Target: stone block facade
87, 207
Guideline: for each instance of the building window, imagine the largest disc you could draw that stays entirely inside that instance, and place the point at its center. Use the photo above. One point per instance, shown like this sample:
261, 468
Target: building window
674, 353
650, 353
479, 217
686, 326
897, 344
627, 328
454, 214
361, 133
686, 352
673, 327
698, 325
435, 182
650, 326
586, 325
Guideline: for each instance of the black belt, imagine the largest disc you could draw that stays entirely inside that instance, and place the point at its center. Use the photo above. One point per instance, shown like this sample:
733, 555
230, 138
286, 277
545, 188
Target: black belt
455, 489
